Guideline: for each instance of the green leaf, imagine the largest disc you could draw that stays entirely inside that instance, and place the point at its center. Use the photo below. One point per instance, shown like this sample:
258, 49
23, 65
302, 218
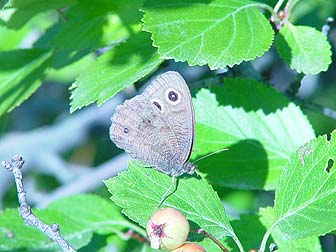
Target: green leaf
78, 217
306, 196
107, 23
297, 46
282, 242
10, 39
138, 192
113, 71
260, 128
251, 228
21, 73
69, 72
26, 9
129, 245
218, 33
3, 3
312, 12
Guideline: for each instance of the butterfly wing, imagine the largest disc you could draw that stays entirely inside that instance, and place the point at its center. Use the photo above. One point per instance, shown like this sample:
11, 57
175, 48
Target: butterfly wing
170, 93
157, 127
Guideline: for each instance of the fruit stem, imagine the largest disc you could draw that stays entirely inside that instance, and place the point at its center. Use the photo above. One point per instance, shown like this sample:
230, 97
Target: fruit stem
206, 234
131, 234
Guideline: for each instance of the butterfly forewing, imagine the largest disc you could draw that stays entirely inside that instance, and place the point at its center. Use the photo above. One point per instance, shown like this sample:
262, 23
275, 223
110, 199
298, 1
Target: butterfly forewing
179, 114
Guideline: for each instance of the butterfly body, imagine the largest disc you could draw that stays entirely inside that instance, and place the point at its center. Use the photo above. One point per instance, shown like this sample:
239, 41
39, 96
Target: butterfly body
157, 126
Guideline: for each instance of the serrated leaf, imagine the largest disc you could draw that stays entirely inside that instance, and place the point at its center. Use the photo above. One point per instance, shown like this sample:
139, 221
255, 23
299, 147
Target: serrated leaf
139, 190
21, 73
282, 242
107, 23
260, 128
78, 217
113, 71
251, 228
26, 9
218, 33
297, 46
306, 196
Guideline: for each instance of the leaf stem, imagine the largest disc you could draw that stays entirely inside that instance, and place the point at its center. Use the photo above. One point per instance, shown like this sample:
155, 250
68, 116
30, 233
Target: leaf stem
237, 241
278, 5
271, 10
268, 8
265, 238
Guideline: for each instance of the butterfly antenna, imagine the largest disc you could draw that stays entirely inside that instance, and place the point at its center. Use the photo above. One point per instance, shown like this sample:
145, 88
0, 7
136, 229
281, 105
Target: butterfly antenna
164, 196
210, 154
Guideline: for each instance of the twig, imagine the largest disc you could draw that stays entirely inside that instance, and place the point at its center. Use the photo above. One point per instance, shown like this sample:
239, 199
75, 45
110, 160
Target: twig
326, 26
206, 234
25, 212
329, 112
293, 89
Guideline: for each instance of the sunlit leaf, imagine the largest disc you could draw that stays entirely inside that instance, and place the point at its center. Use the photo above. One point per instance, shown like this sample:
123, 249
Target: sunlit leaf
306, 196
297, 46
218, 33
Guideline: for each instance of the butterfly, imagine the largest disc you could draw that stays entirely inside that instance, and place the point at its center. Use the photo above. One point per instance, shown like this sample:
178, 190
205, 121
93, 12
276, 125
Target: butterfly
157, 126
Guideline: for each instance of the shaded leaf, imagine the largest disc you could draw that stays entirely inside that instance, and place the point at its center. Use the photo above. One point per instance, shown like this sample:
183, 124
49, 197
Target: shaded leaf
26, 9
312, 12
3, 3
251, 228
260, 130
104, 23
21, 73
218, 33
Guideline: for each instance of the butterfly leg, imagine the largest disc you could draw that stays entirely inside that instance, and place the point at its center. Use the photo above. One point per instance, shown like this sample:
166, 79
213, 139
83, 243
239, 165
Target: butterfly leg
166, 194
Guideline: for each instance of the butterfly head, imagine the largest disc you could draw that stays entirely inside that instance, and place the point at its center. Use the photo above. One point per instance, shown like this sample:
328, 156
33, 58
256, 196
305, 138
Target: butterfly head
189, 168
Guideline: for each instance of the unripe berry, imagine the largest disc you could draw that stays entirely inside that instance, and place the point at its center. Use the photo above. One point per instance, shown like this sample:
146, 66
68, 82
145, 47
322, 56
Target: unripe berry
189, 247
167, 229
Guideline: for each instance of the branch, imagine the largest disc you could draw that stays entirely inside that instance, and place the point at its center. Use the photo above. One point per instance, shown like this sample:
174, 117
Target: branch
326, 111
326, 26
25, 212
